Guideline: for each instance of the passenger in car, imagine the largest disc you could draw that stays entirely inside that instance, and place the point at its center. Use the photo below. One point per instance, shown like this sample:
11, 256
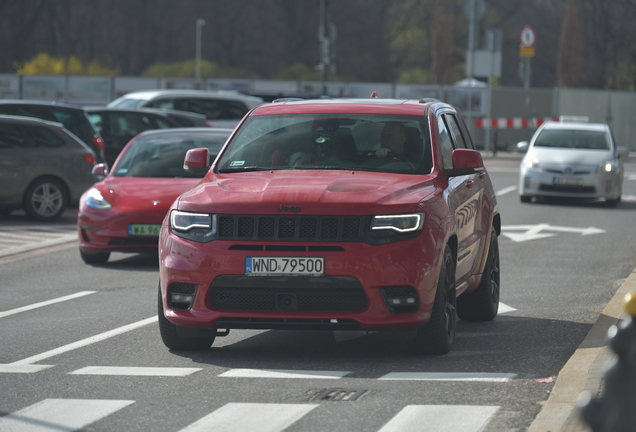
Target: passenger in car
392, 139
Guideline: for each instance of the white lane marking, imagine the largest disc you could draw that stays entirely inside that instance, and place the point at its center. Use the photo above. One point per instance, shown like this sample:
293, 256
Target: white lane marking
60, 415
275, 373
88, 341
441, 418
628, 198
251, 417
135, 371
630, 176
504, 308
506, 190
449, 376
534, 232
12, 368
45, 303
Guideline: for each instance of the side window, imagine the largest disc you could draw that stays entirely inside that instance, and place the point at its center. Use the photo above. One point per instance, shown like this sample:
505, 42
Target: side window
160, 123
464, 129
11, 137
43, 137
445, 142
457, 134
162, 103
129, 124
98, 121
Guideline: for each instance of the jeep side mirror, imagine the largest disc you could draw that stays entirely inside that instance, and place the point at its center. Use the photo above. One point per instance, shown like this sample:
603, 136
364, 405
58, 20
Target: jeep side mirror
197, 161
465, 162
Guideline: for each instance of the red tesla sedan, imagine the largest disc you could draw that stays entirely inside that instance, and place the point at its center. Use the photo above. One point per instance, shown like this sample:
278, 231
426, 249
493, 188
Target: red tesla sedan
365, 214
124, 211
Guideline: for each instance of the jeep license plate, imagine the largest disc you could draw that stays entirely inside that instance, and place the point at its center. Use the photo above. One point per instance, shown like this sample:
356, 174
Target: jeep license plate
284, 266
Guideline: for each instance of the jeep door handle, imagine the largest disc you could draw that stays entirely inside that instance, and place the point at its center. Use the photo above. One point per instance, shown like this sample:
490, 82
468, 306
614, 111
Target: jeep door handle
470, 184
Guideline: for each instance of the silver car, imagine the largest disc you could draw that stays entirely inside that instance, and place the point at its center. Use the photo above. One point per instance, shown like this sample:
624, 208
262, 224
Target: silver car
223, 109
572, 158
44, 168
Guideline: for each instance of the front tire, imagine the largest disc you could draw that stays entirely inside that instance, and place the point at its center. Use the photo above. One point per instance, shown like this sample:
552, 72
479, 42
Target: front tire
171, 338
96, 258
438, 335
483, 303
45, 199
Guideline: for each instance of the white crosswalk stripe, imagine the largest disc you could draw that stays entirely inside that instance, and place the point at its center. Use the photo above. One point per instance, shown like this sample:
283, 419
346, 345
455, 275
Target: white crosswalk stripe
55, 415
274, 373
59, 415
441, 418
251, 417
17, 239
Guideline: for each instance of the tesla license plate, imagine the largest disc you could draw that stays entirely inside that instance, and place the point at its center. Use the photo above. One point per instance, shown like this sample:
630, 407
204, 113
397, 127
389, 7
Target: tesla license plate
284, 266
144, 230
568, 181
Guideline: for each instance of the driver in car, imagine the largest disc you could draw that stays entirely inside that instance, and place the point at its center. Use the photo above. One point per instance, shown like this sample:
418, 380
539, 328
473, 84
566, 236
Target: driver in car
392, 139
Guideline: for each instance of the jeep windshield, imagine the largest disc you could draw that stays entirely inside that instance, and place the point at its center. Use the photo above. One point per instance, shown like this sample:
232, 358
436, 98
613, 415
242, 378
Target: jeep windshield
363, 142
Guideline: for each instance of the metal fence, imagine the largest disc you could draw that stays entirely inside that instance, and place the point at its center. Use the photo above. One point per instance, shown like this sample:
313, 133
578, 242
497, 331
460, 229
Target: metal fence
613, 107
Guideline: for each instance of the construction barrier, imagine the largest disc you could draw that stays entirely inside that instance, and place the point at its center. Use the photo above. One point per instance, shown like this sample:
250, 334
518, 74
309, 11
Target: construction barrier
512, 122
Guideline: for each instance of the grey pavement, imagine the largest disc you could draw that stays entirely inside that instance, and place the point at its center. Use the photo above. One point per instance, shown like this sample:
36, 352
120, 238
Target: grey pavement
582, 372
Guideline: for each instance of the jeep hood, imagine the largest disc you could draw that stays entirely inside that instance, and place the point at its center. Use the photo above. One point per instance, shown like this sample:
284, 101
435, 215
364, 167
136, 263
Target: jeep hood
307, 192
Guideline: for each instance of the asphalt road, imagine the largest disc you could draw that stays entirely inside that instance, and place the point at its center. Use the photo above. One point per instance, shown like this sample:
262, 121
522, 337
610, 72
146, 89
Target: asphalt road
95, 361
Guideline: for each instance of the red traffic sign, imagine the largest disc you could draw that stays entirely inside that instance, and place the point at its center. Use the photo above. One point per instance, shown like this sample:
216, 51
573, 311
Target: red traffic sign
527, 37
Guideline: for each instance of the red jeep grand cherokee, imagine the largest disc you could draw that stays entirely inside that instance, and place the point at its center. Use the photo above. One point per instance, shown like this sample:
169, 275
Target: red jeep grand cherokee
347, 214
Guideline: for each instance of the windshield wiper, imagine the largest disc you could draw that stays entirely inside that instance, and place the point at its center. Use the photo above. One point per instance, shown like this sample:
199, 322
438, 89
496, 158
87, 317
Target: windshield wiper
242, 169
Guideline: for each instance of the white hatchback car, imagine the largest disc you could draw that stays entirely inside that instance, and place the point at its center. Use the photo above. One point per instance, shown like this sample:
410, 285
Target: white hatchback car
223, 109
572, 158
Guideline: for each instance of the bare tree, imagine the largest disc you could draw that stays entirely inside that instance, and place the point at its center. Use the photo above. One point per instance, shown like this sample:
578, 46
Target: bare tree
570, 47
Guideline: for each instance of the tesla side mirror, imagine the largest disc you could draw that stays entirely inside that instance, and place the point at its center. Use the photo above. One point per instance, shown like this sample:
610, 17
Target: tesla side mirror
197, 161
465, 162
522, 146
100, 169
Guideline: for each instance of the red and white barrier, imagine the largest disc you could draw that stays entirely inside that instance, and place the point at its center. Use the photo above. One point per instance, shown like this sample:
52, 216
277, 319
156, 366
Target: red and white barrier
512, 122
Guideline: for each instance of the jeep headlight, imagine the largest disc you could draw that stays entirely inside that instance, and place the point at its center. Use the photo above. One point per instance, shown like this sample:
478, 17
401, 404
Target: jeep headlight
185, 221
401, 223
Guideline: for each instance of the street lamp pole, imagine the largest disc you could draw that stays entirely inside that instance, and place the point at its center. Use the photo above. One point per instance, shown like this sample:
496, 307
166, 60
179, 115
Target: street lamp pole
197, 73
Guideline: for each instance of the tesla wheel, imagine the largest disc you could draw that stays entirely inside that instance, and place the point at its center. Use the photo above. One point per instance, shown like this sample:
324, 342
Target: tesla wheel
45, 199
95, 258
438, 335
483, 303
171, 338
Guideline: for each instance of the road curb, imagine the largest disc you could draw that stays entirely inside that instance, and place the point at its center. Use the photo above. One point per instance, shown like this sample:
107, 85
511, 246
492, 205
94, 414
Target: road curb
583, 370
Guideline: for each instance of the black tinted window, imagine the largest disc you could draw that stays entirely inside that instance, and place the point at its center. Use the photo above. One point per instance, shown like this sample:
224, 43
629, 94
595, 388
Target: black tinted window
11, 136
211, 108
43, 137
458, 138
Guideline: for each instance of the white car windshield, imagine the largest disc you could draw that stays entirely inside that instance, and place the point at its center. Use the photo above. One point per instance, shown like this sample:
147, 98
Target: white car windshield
573, 139
329, 141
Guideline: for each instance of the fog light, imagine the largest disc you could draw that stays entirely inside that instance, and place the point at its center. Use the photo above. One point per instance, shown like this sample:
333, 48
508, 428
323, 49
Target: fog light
400, 299
181, 295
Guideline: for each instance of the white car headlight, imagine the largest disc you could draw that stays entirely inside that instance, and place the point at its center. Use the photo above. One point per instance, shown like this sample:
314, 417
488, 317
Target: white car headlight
94, 199
400, 223
531, 164
185, 221
606, 167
